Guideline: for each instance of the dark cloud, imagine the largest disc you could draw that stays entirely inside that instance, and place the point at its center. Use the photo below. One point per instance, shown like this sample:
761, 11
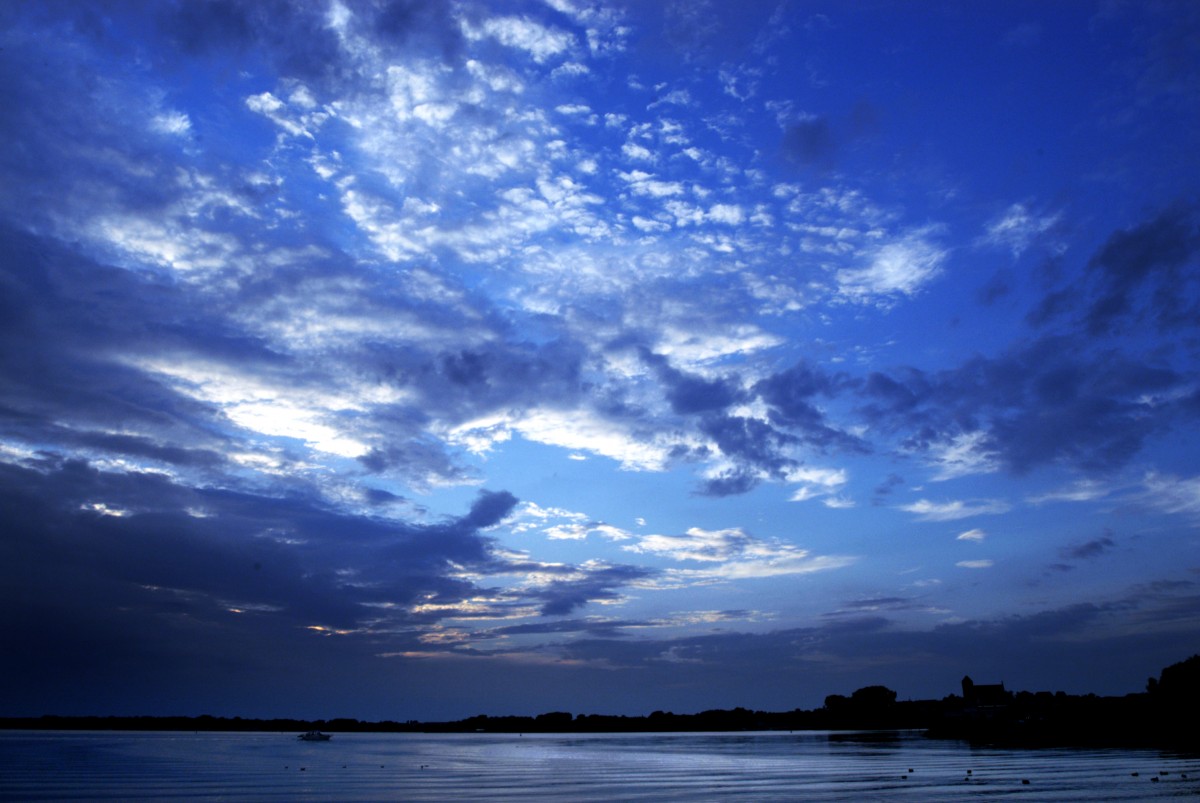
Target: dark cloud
855, 651
999, 286
789, 395
885, 488
419, 25
1088, 549
600, 628
730, 482
147, 558
689, 394
877, 604
810, 143
1051, 401
64, 383
758, 448
1153, 256
596, 583
1143, 275
293, 38
748, 441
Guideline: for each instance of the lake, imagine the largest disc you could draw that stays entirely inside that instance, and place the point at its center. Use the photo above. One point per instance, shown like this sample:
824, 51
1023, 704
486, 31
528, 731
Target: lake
811, 766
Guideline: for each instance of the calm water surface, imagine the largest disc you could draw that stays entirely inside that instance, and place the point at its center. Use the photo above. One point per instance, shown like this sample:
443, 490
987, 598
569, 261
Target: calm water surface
818, 766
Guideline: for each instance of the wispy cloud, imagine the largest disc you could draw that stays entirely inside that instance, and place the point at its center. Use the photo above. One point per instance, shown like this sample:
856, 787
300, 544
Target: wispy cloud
955, 509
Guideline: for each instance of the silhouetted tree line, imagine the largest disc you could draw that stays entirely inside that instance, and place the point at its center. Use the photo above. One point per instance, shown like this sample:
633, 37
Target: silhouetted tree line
1162, 716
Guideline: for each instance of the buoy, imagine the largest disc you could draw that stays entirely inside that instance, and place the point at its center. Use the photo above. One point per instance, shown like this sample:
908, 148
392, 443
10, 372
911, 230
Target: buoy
1025, 781
1135, 774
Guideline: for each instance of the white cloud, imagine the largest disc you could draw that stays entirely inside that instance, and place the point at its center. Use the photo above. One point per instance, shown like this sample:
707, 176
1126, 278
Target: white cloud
539, 41
273, 109
1080, 491
974, 564
676, 97
818, 482
574, 109
646, 184
900, 267
174, 123
1173, 494
580, 531
269, 408
632, 150
730, 214
1017, 228
957, 509
734, 555
691, 347
575, 430
975, 535
963, 455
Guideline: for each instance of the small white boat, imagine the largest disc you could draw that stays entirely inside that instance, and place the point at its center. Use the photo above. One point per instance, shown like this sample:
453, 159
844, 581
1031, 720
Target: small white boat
316, 736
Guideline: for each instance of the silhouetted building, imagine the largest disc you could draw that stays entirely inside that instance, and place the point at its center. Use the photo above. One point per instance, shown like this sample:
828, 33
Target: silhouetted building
985, 694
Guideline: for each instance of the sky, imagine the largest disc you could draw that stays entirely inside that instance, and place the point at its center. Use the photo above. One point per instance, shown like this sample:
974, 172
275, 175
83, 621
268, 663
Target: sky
396, 359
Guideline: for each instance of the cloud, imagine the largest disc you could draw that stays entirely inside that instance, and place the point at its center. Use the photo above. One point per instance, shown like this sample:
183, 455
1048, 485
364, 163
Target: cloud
732, 554
1173, 494
955, 509
975, 535
962, 455
539, 41
901, 267
810, 142
1088, 549
1079, 491
1017, 229
1050, 401
595, 582
817, 482
1139, 275
974, 564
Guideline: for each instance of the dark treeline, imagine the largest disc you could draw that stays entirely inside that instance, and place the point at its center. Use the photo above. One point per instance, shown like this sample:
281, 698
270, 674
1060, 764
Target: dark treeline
1162, 716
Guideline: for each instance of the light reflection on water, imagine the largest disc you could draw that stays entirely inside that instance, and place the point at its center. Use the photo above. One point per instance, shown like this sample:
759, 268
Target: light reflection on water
820, 766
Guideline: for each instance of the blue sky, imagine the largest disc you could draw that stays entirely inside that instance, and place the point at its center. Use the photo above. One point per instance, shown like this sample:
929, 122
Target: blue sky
423, 359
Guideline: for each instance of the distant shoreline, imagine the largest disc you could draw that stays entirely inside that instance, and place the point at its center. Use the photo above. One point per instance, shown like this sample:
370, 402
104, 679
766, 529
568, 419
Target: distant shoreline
1096, 725
1164, 716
